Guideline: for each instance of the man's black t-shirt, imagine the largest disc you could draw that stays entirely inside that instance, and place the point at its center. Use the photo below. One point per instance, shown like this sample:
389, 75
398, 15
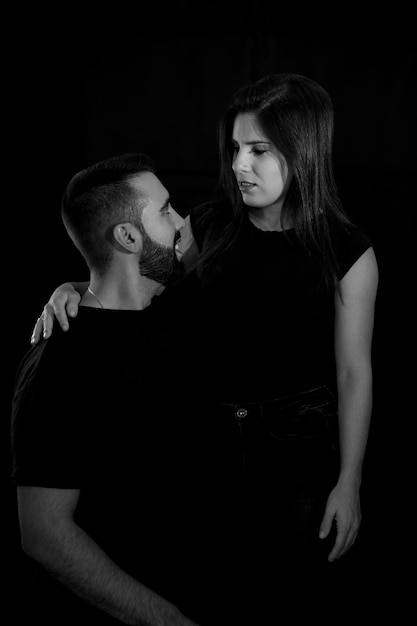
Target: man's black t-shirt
105, 408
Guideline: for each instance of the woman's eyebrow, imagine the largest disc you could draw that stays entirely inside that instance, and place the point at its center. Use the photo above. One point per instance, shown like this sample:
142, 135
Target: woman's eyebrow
253, 142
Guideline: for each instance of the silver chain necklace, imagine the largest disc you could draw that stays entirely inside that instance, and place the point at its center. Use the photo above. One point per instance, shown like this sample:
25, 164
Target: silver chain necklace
94, 296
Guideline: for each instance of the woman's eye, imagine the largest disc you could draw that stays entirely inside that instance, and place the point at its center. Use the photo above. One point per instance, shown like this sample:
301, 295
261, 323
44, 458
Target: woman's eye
258, 151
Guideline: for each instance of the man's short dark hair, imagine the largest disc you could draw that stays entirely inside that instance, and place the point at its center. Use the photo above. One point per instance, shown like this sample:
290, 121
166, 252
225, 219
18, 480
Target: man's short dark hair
98, 198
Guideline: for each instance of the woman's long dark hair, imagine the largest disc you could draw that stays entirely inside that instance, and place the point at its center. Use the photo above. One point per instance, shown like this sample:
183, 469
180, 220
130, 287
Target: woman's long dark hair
296, 115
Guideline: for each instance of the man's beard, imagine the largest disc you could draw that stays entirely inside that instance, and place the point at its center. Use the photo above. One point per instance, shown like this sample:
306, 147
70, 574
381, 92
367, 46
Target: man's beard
158, 262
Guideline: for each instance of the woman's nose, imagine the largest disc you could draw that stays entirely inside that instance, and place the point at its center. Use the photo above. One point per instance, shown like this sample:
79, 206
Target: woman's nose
241, 163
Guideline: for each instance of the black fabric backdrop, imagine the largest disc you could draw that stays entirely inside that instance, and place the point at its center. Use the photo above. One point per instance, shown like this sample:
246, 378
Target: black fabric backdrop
82, 86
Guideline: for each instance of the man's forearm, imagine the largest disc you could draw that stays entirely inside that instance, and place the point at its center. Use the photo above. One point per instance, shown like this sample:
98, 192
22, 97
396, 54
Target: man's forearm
74, 559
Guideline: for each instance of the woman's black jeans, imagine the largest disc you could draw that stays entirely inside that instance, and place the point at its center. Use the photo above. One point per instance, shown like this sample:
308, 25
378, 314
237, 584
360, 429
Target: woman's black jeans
285, 461
268, 470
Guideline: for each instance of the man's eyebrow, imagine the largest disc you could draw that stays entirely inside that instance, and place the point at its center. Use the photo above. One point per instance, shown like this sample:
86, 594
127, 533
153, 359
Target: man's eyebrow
166, 204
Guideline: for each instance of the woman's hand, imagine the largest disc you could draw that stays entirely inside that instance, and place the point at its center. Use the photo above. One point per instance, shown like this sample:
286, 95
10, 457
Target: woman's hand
343, 507
63, 302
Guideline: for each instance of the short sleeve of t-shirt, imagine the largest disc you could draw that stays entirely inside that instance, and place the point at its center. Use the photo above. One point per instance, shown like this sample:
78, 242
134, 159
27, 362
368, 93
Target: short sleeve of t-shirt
47, 434
351, 243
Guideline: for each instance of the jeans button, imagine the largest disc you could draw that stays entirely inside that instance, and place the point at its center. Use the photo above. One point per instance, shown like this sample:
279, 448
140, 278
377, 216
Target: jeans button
241, 413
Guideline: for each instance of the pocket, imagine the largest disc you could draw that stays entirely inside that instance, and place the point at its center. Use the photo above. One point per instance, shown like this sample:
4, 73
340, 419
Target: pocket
306, 415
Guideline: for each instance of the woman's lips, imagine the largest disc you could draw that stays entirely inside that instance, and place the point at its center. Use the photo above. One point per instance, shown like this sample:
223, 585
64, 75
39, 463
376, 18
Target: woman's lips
245, 185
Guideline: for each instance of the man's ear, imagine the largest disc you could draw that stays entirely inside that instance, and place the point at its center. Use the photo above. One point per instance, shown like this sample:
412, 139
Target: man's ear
128, 237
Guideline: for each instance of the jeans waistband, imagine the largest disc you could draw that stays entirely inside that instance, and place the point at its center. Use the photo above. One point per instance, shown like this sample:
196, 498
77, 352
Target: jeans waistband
289, 404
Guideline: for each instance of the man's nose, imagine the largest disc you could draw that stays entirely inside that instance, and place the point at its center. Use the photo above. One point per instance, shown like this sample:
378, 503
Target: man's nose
178, 220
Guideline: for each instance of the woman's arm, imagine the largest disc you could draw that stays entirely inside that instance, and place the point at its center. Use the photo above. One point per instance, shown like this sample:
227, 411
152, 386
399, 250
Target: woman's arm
53, 539
354, 323
63, 302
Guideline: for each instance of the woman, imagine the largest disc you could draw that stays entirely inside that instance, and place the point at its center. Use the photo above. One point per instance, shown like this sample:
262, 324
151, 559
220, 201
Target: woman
287, 288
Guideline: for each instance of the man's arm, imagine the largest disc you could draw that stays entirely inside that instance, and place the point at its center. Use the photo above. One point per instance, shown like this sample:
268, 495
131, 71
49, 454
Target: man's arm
353, 340
51, 537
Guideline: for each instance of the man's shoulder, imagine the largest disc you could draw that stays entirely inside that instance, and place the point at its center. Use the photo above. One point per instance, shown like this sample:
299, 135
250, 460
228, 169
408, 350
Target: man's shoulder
53, 357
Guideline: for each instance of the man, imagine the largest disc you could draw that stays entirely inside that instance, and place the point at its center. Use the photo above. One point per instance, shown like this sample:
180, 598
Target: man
100, 458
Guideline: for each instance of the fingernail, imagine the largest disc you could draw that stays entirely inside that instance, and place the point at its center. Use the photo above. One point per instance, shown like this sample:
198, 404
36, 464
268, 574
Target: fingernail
64, 326
72, 313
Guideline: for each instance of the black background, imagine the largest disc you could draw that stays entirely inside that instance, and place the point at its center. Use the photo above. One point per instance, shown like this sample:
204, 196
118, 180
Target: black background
84, 84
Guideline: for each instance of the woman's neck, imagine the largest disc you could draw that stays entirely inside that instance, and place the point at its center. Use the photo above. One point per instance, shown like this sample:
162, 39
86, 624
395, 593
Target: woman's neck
265, 219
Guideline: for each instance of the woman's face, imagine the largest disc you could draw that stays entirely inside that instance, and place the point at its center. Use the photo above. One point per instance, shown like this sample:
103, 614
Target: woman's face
261, 171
